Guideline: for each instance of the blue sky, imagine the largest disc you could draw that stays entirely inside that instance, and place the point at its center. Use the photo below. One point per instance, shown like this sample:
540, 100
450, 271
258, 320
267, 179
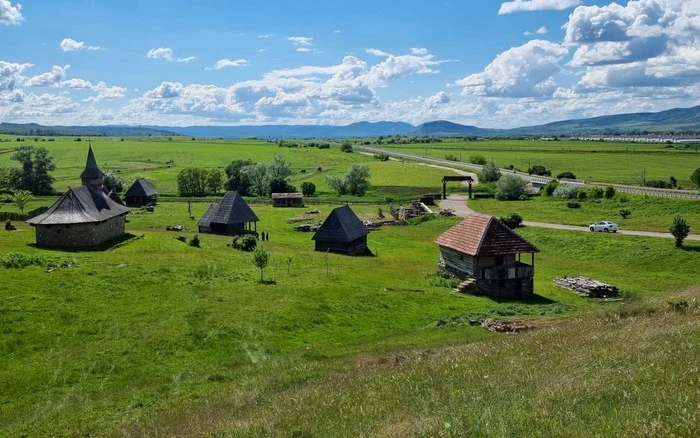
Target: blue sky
488, 63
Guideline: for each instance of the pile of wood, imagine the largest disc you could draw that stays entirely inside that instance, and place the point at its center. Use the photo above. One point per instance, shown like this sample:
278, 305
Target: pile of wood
587, 287
505, 326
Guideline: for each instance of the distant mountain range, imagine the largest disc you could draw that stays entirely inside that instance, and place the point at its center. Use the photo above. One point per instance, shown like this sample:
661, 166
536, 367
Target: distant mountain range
674, 120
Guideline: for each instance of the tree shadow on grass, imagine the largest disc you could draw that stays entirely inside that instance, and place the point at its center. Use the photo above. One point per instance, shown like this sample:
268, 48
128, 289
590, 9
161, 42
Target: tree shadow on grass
267, 282
690, 248
532, 299
107, 246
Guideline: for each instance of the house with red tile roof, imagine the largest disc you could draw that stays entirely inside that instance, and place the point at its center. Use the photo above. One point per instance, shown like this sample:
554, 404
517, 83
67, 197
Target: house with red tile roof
484, 251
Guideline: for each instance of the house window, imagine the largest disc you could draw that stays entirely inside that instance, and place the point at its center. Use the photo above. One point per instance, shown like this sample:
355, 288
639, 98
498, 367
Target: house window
461, 257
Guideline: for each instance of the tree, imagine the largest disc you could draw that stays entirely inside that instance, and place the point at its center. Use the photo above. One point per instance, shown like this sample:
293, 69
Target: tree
191, 181
214, 181
539, 169
512, 220
609, 192
113, 182
356, 179
308, 188
478, 159
490, 172
256, 175
43, 164
260, 259
567, 175
337, 184
279, 169
695, 177
510, 188
679, 229
21, 199
346, 147
236, 179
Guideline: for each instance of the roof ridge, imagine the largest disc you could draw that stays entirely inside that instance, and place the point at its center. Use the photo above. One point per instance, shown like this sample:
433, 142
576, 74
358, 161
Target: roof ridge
513, 233
483, 234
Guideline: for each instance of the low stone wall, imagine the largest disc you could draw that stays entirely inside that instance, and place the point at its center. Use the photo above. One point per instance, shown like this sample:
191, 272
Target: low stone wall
80, 235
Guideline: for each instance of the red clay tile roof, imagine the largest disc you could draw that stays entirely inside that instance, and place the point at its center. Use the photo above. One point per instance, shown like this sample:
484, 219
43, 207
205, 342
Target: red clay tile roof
483, 235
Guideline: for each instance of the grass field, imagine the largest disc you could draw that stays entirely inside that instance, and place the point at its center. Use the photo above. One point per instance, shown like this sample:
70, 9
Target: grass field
100, 348
592, 161
648, 213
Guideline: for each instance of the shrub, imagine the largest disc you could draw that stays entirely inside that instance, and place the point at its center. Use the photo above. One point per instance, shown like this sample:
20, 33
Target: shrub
20, 260
567, 175
245, 243
625, 213
538, 169
181, 238
512, 220
417, 220
260, 259
490, 172
450, 157
308, 188
695, 177
195, 241
680, 230
346, 147
510, 188
609, 192
550, 187
573, 204
623, 199
477, 159
443, 279
382, 157
565, 191
595, 193
582, 195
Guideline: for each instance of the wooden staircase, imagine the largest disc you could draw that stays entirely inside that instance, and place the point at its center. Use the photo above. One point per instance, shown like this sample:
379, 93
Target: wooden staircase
467, 286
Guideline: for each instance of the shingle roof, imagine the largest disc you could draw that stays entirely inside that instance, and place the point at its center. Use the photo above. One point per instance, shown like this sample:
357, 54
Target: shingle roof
83, 204
91, 170
295, 195
140, 188
342, 226
231, 210
483, 235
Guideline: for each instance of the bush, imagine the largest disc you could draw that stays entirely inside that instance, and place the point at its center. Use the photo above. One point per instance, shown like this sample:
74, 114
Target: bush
565, 191
19, 260
245, 243
582, 195
195, 241
567, 175
680, 230
609, 192
308, 188
512, 220
510, 188
490, 173
538, 169
382, 157
443, 279
625, 213
450, 157
346, 147
550, 187
595, 193
417, 220
478, 159
573, 204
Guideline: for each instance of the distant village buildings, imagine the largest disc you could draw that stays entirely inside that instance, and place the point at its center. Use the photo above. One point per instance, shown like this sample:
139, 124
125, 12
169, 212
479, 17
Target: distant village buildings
342, 232
84, 216
485, 252
140, 193
287, 200
232, 216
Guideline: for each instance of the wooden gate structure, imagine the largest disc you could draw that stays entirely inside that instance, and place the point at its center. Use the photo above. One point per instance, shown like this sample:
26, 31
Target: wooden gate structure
461, 178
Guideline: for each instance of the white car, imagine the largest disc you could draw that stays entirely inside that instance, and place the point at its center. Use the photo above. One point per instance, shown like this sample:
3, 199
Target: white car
605, 226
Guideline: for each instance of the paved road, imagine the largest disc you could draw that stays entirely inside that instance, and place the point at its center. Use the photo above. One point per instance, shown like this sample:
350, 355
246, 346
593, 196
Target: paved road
458, 203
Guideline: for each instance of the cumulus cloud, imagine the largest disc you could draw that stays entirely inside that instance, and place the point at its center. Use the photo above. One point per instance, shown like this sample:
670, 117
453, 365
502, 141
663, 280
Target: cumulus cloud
161, 53
10, 14
420, 51
11, 74
377, 52
300, 40
71, 45
224, 63
76, 84
523, 71
106, 92
540, 31
536, 5
48, 79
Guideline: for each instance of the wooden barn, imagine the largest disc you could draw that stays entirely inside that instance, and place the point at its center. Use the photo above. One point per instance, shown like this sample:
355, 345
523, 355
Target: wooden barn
232, 216
84, 216
141, 193
342, 232
287, 200
487, 253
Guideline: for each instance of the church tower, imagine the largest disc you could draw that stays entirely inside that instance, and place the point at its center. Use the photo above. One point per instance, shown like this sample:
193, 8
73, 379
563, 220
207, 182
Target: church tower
92, 175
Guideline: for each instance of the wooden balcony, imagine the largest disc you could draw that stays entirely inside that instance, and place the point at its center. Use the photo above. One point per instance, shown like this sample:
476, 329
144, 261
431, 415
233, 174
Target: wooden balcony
519, 270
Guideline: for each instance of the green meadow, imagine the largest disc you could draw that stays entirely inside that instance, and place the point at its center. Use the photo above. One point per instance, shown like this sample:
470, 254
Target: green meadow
152, 337
589, 160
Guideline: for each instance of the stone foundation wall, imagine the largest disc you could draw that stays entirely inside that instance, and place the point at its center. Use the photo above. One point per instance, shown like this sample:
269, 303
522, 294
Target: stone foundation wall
80, 235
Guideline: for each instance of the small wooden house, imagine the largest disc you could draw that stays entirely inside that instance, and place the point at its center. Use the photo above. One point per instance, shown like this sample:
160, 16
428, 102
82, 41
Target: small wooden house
485, 250
287, 200
140, 193
342, 232
232, 216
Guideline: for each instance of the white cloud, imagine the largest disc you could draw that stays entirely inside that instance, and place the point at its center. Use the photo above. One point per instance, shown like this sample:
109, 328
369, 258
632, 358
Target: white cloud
303, 49
10, 14
105, 92
377, 52
187, 59
71, 45
336, 31
301, 40
523, 71
161, 53
11, 74
224, 63
266, 35
420, 51
76, 84
541, 30
536, 5
48, 79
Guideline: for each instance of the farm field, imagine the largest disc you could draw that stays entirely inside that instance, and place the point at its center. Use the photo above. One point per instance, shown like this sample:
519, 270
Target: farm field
127, 336
647, 213
591, 161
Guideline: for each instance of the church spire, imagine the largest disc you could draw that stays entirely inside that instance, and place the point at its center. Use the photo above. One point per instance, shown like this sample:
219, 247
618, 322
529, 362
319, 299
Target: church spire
92, 175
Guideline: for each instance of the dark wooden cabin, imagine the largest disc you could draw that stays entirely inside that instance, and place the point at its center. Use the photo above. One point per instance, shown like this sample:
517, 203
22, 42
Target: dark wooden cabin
342, 232
484, 249
140, 193
232, 216
287, 200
